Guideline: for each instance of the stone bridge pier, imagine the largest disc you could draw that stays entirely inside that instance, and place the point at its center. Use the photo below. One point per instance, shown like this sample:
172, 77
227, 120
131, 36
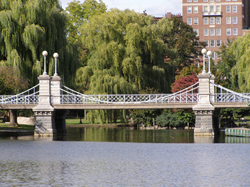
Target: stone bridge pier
204, 109
48, 120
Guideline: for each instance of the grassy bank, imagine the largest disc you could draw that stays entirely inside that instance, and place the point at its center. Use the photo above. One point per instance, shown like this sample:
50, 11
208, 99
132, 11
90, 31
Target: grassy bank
20, 127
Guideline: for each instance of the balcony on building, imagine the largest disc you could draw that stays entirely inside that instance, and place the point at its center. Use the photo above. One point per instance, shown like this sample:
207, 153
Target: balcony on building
212, 14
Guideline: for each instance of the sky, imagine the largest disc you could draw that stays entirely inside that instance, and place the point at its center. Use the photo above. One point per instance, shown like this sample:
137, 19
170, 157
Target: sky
152, 7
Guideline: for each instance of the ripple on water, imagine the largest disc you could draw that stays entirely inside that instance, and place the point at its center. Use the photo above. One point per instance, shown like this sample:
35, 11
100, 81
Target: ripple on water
52, 163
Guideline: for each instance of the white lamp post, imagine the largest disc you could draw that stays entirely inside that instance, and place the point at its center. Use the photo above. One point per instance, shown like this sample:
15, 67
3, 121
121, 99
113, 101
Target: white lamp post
209, 54
45, 53
55, 55
204, 51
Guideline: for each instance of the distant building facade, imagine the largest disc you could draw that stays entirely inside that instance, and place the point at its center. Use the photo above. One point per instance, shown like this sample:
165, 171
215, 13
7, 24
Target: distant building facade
217, 21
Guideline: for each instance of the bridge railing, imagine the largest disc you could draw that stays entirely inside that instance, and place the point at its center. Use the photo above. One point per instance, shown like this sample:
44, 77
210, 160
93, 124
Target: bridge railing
129, 98
225, 95
188, 95
30, 96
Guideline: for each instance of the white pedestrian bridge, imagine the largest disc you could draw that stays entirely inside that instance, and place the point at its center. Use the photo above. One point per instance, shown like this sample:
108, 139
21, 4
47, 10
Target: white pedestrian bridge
71, 99
49, 99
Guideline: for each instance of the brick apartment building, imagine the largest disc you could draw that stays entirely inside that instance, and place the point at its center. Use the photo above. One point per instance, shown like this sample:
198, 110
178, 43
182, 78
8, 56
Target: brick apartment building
216, 21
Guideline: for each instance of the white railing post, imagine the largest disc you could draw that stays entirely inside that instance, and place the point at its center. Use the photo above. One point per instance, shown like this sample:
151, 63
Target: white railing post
56, 89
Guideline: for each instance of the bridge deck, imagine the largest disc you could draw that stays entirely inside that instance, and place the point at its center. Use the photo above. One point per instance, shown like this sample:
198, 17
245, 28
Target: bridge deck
230, 105
125, 106
17, 106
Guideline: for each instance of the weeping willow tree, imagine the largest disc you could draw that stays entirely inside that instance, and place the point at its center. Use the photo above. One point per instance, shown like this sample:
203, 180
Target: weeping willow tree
27, 28
235, 59
125, 55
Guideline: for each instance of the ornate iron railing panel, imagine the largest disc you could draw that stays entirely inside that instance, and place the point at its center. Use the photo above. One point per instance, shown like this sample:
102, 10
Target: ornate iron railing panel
129, 98
222, 94
30, 96
188, 95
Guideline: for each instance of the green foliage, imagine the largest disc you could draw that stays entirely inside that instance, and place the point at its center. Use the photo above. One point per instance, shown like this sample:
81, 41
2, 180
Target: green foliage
78, 13
235, 113
175, 119
224, 66
186, 116
184, 41
234, 67
163, 119
188, 70
29, 27
126, 53
144, 116
11, 80
170, 119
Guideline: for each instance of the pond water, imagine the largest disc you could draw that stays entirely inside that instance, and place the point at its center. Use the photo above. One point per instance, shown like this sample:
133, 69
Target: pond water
124, 157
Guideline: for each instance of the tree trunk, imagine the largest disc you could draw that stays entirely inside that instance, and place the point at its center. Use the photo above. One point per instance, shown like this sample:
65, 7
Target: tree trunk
13, 118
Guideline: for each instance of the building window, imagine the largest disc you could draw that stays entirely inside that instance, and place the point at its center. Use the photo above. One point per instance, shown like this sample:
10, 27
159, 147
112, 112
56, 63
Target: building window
195, 1
196, 31
205, 20
228, 20
205, 1
189, 21
218, 20
206, 32
205, 8
212, 20
228, 9
211, 8
212, 43
218, 32
196, 21
228, 31
189, 1
235, 31
189, 10
195, 9
218, 43
213, 54
207, 44
234, 8
234, 20
212, 33
211, 0
218, 8
217, 0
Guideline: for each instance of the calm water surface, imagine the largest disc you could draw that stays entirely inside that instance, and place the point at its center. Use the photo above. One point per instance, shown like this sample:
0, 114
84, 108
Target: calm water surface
121, 157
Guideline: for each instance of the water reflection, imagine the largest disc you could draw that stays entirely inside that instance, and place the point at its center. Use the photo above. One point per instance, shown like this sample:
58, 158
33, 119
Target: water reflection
124, 134
203, 139
100, 134
232, 139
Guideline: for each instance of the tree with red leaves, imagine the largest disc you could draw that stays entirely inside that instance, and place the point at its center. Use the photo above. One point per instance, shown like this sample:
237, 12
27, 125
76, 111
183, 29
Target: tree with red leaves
184, 82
